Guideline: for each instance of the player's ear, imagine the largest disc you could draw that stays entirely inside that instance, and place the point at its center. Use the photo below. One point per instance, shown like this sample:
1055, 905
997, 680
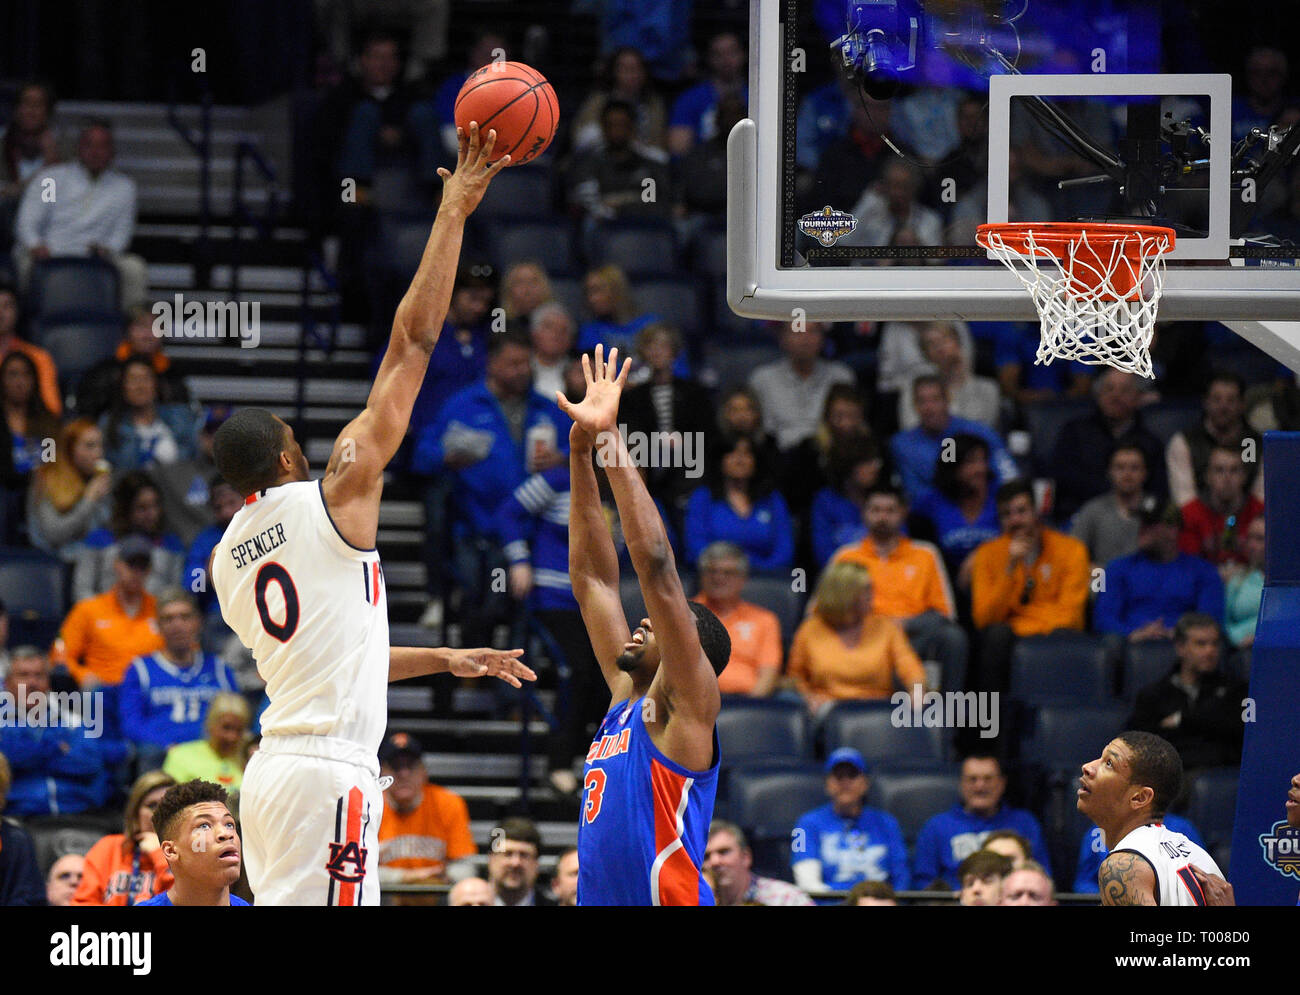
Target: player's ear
1142, 797
169, 850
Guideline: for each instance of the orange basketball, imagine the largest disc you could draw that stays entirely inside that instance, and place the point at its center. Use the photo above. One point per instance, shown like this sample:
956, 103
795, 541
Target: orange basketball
516, 100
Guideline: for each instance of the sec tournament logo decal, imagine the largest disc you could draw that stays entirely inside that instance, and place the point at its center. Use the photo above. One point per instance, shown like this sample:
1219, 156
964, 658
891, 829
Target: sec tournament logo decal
828, 225
1282, 849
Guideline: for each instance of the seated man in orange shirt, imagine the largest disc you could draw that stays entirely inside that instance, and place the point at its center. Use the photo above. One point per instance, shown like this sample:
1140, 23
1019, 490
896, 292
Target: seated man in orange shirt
102, 635
424, 836
1029, 581
911, 584
844, 650
755, 632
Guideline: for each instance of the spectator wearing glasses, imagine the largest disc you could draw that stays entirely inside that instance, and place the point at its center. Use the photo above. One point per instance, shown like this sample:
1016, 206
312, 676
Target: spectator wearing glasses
755, 665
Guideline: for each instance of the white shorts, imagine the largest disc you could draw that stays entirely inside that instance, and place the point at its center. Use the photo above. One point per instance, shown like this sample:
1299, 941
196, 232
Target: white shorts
310, 824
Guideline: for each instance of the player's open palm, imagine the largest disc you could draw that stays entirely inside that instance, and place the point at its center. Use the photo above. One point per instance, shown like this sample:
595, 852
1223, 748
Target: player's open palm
598, 410
484, 662
464, 188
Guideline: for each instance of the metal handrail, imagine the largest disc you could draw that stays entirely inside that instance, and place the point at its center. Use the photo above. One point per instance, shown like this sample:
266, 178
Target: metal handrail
201, 144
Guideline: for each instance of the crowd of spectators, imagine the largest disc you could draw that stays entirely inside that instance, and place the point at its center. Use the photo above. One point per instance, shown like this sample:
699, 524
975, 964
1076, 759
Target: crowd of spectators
887, 469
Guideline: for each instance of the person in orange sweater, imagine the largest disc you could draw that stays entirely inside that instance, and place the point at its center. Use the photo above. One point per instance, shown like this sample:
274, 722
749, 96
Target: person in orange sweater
424, 836
911, 584
126, 868
102, 635
1030, 581
844, 650
756, 655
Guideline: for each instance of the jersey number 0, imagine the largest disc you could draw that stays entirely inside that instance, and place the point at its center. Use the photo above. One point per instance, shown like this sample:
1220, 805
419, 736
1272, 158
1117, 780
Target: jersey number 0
274, 573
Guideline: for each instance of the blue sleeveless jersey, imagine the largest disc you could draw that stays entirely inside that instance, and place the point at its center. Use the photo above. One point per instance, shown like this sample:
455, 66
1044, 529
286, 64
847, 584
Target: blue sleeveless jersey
644, 821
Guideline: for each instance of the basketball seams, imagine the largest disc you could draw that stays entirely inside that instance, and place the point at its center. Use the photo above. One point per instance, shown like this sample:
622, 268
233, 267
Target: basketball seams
533, 82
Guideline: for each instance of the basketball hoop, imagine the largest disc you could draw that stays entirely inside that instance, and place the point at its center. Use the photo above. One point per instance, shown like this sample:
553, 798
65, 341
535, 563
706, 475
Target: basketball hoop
1096, 286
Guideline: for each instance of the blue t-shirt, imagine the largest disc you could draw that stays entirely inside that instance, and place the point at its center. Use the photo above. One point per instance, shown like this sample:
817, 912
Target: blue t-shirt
950, 837
610, 335
956, 537
1140, 589
644, 820
697, 109
1016, 343
163, 704
162, 899
766, 536
868, 848
916, 452
836, 521
1092, 851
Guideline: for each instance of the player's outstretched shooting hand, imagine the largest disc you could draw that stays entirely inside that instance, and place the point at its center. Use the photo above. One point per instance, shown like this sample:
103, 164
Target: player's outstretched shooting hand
491, 663
598, 410
463, 189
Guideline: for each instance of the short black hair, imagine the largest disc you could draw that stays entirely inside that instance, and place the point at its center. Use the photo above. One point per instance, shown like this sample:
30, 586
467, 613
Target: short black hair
993, 755
714, 638
887, 490
500, 340
247, 448
520, 830
178, 798
1013, 489
1155, 765
617, 104
1129, 447
945, 471
1227, 376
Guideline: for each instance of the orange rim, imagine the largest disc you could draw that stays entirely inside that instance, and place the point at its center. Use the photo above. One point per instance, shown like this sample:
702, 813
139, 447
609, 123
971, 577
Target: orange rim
1089, 249
1057, 235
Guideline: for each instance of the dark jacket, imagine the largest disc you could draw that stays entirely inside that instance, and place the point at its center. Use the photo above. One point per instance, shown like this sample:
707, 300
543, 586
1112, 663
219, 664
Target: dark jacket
691, 413
1210, 731
1082, 455
20, 878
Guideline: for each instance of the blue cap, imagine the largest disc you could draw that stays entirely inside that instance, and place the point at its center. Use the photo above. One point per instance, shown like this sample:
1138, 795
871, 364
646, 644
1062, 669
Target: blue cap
847, 755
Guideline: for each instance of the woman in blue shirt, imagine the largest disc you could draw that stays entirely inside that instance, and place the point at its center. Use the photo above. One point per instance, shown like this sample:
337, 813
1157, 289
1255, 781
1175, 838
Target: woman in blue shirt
740, 505
960, 510
25, 425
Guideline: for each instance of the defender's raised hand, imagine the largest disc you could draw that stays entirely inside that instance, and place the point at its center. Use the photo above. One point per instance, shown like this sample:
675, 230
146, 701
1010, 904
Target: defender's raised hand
463, 189
598, 410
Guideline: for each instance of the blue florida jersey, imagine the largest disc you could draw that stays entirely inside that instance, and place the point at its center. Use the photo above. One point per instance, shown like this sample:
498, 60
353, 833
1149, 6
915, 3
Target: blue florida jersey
644, 821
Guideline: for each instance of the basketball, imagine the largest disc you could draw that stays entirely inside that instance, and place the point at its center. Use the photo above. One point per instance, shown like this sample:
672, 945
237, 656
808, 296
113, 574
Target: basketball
517, 101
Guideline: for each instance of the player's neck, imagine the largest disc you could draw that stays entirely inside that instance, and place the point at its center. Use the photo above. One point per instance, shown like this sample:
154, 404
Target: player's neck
1115, 832
198, 894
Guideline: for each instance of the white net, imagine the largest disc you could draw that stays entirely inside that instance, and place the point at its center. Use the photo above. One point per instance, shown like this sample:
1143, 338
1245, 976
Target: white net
1096, 296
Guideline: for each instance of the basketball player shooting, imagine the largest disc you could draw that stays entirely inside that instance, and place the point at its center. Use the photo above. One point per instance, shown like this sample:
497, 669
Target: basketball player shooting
652, 771
286, 573
1126, 792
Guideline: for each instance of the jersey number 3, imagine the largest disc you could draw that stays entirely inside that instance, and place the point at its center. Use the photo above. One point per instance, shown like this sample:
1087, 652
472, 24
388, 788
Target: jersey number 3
274, 573
594, 785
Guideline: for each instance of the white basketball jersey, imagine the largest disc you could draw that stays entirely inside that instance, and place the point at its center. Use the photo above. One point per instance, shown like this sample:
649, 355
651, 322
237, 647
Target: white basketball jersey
313, 611
1171, 855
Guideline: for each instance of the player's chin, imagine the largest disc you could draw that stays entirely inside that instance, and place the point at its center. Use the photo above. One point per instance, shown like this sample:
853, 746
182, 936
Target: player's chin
628, 661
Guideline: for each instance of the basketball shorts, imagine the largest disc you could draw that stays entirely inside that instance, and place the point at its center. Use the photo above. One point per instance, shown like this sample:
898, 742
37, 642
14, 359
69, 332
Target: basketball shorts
310, 823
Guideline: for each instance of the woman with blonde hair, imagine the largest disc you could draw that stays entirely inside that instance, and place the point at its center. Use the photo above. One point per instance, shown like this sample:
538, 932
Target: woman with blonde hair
845, 651
615, 320
524, 288
128, 867
219, 758
68, 498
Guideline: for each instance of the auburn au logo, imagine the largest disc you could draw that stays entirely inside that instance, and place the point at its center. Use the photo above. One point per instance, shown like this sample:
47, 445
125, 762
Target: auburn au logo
343, 854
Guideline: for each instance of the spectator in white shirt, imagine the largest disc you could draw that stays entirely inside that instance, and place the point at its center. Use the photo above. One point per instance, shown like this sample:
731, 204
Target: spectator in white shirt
553, 331
969, 396
792, 391
82, 208
889, 206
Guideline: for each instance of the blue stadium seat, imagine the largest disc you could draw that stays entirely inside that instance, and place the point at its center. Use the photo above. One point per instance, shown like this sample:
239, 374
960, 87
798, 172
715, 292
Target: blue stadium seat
568, 291
711, 254
912, 798
32, 586
1062, 668
1167, 418
638, 248
1212, 803
732, 362
59, 835
404, 238
71, 289
1145, 663
77, 346
776, 594
1068, 737
675, 301
767, 803
868, 726
520, 191
756, 729
547, 242
393, 188
1045, 421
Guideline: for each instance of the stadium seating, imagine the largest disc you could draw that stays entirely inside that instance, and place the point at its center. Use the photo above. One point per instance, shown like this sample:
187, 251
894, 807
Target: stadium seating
1062, 668
1145, 663
77, 346
758, 729
913, 797
518, 192
1212, 803
568, 291
1166, 419
732, 364
56, 836
1045, 421
638, 248
776, 595
65, 290
767, 803
673, 300
32, 588
1067, 737
868, 726
548, 241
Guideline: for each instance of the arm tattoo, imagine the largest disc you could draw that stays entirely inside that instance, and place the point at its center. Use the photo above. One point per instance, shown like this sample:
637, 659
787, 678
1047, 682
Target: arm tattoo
1119, 881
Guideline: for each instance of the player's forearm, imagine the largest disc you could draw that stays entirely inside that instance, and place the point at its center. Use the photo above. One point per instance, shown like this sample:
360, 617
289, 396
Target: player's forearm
647, 539
423, 308
591, 549
417, 661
